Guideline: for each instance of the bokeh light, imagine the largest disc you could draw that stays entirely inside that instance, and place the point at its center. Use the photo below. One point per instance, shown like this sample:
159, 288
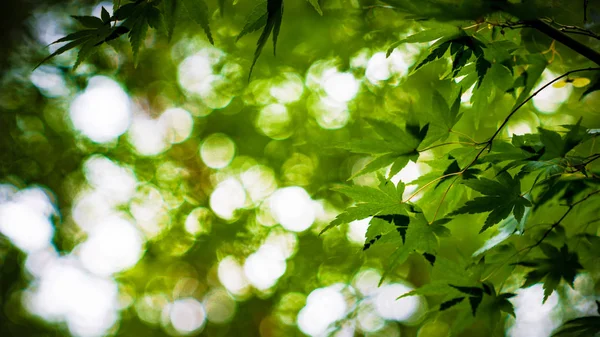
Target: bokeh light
323, 307
550, 99
103, 111
227, 198
112, 246
217, 150
264, 267
25, 218
187, 316
293, 208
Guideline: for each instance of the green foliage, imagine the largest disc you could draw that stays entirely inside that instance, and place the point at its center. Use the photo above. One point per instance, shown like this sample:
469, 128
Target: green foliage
395, 146
491, 199
198, 11
501, 198
580, 327
559, 264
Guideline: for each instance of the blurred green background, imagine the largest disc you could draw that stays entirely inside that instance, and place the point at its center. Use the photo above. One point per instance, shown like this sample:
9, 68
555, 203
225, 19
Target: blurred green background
179, 198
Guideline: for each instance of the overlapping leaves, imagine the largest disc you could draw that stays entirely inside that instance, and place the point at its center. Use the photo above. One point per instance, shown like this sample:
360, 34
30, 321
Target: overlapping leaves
500, 199
386, 199
558, 265
395, 146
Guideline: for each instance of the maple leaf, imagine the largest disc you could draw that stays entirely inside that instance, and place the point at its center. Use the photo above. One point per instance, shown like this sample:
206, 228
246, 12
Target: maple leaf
500, 199
579, 327
396, 146
559, 264
386, 199
443, 117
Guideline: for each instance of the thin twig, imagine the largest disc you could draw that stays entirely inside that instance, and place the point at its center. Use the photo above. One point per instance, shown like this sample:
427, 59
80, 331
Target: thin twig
547, 232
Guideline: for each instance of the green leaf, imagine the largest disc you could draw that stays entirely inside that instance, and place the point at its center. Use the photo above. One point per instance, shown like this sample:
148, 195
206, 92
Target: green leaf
198, 11
449, 304
579, 327
137, 35
530, 77
315, 4
420, 236
384, 200
444, 117
399, 221
63, 49
559, 264
425, 36
126, 11
87, 49
255, 21
75, 36
553, 144
501, 198
274, 17
397, 147
155, 18
89, 21
471, 291
377, 228
170, 8
105, 15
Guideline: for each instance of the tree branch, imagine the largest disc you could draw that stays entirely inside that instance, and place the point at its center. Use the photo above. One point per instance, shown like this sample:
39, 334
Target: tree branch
565, 39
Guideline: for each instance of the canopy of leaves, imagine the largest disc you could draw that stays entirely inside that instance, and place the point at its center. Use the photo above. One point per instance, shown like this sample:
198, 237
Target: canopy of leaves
162, 172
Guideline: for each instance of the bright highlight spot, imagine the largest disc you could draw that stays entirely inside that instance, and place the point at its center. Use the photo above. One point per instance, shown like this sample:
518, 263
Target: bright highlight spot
115, 183
231, 275
323, 307
259, 181
147, 135
293, 208
179, 124
112, 246
227, 198
64, 292
24, 219
264, 267
551, 98
49, 81
150, 211
199, 221
357, 230
329, 113
274, 121
518, 129
187, 316
341, 87
533, 319
406, 310
289, 89
196, 75
217, 150
380, 68
103, 111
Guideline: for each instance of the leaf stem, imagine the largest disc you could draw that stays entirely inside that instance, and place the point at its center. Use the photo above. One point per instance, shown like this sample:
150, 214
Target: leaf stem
445, 144
442, 200
464, 135
429, 183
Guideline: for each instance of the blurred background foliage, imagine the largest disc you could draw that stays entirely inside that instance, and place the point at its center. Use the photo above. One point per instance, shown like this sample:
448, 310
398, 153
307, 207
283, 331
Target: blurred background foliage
177, 197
